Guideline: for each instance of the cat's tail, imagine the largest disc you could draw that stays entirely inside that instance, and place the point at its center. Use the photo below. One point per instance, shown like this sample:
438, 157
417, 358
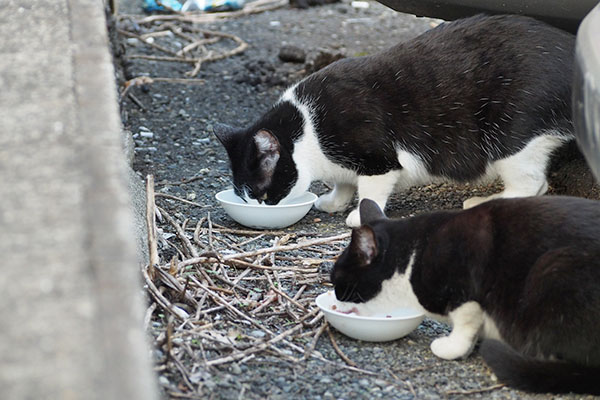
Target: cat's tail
532, 375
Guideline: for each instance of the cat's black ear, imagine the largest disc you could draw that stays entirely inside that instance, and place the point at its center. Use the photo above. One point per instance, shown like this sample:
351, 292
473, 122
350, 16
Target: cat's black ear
369, 211
363, 245
268, 152
227, 135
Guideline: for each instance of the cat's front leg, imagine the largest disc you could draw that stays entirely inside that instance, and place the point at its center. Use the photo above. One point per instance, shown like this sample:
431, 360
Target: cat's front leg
338, 199
467, 321
375, 187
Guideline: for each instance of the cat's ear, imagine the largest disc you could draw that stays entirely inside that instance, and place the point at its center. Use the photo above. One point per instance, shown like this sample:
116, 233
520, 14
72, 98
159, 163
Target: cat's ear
363, 245
369, 211
227, 135
268, 152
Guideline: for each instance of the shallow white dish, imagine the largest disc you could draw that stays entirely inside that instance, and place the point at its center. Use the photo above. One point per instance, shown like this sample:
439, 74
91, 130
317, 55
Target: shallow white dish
376, 328
262, 216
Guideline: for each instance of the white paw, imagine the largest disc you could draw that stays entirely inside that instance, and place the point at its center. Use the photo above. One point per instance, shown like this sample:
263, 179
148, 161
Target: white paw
353, 219
450, 348
473, 201
330, 203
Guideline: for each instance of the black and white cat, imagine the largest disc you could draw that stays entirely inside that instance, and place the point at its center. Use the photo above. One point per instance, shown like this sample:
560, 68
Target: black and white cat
523, 273
471, 99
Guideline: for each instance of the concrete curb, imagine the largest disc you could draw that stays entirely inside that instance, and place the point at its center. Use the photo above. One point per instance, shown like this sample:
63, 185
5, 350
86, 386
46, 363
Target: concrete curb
72, 309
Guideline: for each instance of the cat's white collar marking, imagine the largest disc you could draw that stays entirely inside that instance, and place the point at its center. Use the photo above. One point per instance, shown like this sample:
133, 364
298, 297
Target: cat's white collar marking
311, 162
395, 293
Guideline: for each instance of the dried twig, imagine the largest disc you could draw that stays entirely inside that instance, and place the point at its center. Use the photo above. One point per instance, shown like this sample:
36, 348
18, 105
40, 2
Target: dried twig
183, 181
311, 347
179, 56
136, 101
474, 391
146, 80
162, 300
338, 350
170, 196
151, 226
256, 348
180, 233
148, 315
304, 244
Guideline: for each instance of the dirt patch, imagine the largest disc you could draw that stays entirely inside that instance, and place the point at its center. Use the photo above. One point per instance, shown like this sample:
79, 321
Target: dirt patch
170, 110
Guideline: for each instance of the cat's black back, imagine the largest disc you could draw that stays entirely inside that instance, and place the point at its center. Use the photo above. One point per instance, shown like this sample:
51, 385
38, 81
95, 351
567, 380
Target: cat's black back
460, 95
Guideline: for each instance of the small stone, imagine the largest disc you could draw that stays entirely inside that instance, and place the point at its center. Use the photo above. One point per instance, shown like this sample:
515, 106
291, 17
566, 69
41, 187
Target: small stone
158, 355
163, 381
360, 4
321, 59
364, 383
380, 382
210, 384
326, 380
290, 53
235, 369
257, 334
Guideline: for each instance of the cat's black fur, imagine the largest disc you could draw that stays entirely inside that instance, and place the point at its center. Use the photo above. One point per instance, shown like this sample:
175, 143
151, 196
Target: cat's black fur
459, 96
455, 83
532, 265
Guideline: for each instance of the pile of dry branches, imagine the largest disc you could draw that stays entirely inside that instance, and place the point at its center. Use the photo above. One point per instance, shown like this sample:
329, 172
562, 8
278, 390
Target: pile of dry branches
177, 38
230, 295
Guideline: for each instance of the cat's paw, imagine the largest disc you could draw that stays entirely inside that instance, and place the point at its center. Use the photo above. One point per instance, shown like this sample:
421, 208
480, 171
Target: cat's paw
451, 348
353, 219
473, 201
330, 203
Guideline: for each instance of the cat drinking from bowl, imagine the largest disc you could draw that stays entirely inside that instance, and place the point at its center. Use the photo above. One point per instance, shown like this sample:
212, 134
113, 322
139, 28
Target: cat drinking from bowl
477, 98
523, 274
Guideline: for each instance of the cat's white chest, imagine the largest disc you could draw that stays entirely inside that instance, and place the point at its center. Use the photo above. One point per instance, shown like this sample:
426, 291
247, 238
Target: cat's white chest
310, 159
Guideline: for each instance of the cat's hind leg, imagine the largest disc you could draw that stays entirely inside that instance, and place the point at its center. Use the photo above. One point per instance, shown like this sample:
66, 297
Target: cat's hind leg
467, 320
524, 173
337, 199
375, 187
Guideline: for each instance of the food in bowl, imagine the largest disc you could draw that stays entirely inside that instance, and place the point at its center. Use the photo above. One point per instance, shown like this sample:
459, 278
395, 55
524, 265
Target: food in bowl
380, 327
263, 216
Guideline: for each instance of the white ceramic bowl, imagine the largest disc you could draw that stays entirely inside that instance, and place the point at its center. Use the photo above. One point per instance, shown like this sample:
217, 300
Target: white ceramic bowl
376, 328
262, 216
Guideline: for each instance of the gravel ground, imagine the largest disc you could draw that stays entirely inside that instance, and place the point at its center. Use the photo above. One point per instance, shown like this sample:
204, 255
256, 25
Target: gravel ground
172, 123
